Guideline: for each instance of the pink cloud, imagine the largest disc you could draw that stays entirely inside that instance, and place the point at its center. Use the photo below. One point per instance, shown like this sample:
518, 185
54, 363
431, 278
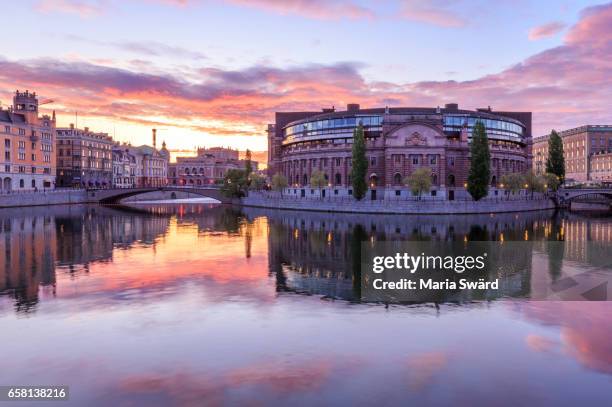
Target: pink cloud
565, 86
585, 330
545, 31
431, 12
81, 8
320, 9
539, 343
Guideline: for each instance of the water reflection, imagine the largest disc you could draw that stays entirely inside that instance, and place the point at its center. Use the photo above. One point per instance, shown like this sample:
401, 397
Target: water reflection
196, 305
308, 253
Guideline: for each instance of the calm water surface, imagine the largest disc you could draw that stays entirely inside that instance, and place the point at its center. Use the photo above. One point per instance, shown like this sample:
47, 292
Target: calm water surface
196, 304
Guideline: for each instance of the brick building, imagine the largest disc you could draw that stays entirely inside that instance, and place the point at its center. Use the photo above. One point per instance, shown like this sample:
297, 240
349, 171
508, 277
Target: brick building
398, 140
208, 167
27, 146
84, 158
586, 150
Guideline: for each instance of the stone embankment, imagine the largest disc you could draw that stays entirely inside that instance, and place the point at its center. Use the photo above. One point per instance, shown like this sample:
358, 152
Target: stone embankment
265, 200
55, 197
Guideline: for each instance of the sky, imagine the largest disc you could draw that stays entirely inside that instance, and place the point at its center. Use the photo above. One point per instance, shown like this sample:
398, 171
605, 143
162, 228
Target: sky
213, 72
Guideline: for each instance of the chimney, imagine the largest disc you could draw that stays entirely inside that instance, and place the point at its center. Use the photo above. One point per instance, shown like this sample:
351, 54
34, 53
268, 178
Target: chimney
154, 138
451, 106
352, 107
86, 129
72, 126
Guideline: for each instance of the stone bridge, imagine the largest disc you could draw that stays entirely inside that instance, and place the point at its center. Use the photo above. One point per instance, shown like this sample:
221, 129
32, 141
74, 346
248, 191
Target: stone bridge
566, 195
114, 195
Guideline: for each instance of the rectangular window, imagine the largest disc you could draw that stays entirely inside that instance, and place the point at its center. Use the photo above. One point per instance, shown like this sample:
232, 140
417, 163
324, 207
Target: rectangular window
373, 161
432, 159
415, 160
7, 129
7, 142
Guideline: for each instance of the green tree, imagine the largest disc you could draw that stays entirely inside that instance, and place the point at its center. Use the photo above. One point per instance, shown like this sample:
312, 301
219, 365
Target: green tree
234, 183
555, 164
512, 182
479, 175
257, 181
419, 181
248, 167
317, 179
360, 164
551, 181
533, 182
279, 182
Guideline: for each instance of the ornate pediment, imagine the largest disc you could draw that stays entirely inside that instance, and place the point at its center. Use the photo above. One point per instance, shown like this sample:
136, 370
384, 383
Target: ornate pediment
416, 139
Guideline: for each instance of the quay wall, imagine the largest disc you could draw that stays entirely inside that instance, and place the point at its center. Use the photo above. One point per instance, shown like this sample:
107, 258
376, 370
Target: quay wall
399, 206
55, 197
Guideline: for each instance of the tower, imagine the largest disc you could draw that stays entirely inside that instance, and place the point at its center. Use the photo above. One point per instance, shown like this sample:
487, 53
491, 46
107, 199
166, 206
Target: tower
26, 103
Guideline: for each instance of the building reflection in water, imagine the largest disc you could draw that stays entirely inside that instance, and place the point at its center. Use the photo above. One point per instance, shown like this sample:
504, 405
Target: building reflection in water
310, 253
38, 242
319, 253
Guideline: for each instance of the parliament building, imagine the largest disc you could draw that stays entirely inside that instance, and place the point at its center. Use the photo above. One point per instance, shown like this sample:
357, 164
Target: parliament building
398, 141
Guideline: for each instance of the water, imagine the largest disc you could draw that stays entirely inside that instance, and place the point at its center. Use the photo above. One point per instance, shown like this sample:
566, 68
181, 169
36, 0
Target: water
197, 304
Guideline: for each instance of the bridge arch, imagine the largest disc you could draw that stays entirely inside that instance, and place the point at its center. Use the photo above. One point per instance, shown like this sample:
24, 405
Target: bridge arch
566, 196
113, 196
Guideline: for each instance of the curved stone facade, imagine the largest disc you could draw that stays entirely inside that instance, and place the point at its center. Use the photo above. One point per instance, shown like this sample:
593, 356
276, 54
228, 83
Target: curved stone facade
398, 140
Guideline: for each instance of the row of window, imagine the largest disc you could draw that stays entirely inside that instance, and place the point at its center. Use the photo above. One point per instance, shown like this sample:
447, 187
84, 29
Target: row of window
22, 145
490, 124
23, 169
22, 132
353, 121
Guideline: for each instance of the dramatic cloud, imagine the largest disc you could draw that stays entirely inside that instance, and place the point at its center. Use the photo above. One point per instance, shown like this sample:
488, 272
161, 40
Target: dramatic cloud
565, 86
546, 30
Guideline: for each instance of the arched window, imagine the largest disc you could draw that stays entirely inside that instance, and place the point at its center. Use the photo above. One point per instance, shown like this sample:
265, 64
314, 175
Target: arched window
305, 180
451, 180
338, 179
21, 183
397, 178
493, 181
33, 183
373, 180
187, 171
